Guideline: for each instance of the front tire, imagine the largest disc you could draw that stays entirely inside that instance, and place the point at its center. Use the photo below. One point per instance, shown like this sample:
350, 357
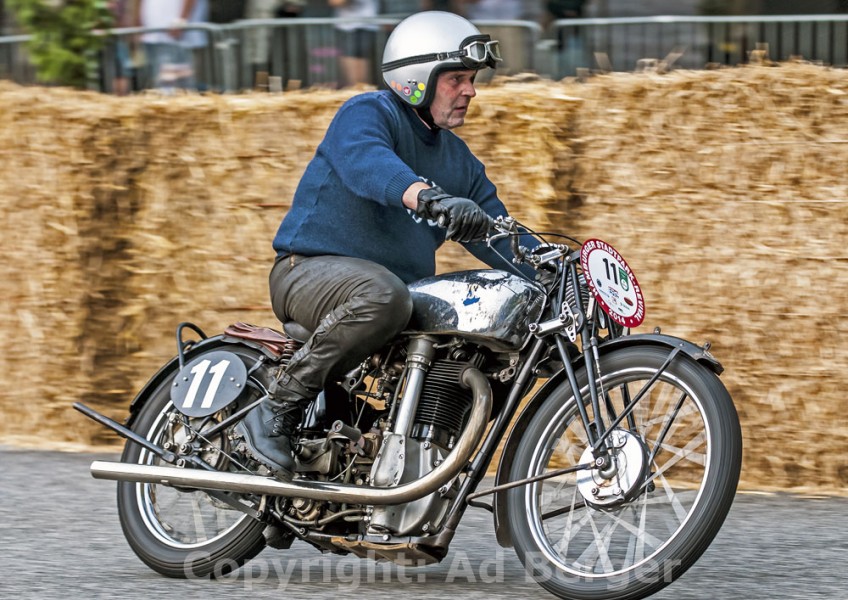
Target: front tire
180, 533
626, 534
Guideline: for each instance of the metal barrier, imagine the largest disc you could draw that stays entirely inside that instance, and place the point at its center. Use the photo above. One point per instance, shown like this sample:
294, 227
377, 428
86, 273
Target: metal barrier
694, 42
280, 53
14, 59
275, 52
336, 52
301, 52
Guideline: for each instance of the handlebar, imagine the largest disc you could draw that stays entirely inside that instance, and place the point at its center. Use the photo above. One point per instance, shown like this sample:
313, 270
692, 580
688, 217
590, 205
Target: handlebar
507, 227
541, 257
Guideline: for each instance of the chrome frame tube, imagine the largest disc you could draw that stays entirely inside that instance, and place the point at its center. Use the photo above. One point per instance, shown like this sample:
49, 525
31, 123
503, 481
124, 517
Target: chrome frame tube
420, 357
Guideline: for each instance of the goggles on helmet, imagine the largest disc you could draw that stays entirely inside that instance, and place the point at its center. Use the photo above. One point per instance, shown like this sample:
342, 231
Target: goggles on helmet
475, 52
479, 52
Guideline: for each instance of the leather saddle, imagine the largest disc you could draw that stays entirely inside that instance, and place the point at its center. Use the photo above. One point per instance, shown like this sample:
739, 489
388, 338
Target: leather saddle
278, 342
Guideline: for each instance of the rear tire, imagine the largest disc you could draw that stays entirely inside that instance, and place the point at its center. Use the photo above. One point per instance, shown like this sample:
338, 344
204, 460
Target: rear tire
591, 536
188, 534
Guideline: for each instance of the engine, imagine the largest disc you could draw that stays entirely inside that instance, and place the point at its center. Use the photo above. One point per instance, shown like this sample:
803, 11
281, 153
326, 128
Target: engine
440, 406
402, 424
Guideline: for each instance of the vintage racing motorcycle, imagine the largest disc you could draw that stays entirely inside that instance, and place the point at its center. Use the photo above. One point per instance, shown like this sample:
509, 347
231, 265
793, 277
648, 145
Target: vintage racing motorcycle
615, 474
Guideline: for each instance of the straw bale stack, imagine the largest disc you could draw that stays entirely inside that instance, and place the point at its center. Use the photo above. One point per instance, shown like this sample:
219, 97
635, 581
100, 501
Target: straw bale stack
724, 190
123, 217
727, 192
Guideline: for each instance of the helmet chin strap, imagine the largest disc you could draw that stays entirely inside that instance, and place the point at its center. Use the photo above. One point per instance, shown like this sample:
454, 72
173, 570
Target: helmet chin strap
425, 115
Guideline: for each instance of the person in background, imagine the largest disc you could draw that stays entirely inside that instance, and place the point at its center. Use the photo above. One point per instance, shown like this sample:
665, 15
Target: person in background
170, 63
564, 9
289, 9
258, 40
227, 11
454, 6
569, 39
357, 39
122, 13
479, 10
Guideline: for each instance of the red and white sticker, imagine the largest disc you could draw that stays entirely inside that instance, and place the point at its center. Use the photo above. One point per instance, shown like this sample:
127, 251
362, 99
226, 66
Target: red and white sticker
613, 283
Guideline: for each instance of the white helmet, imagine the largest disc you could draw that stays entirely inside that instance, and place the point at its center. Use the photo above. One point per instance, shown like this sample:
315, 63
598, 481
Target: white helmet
427, 43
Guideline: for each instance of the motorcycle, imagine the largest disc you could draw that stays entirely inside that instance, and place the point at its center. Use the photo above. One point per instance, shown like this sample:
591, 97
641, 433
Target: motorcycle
616, 471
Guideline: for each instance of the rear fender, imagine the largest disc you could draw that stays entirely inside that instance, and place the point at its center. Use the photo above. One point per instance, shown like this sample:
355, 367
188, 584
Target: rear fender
172, 367
698, 353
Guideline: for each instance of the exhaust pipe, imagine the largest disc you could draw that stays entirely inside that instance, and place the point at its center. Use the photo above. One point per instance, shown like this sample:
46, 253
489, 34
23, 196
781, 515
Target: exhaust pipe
481, 408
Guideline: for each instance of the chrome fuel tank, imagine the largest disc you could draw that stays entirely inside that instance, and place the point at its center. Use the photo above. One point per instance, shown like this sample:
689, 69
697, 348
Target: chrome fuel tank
494, 308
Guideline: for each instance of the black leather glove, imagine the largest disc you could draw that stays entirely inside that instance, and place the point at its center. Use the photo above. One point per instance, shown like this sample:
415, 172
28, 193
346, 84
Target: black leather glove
464, 219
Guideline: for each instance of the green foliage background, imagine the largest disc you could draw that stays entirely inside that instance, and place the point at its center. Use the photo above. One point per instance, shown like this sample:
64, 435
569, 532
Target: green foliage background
64, 42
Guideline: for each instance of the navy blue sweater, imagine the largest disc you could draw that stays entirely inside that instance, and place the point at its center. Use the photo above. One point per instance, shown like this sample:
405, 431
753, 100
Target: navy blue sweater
349, 201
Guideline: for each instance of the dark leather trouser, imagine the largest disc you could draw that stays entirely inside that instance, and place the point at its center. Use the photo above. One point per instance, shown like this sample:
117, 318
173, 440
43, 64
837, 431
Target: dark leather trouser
352, 306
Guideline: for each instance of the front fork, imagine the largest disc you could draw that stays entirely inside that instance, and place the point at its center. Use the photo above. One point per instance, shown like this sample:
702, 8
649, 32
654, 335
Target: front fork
594, 426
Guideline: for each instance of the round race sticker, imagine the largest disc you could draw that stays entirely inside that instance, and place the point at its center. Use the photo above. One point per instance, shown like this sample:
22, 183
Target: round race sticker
612, 283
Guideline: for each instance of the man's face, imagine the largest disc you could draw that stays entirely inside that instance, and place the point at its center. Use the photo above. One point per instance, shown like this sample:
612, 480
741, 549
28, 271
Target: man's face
454, 91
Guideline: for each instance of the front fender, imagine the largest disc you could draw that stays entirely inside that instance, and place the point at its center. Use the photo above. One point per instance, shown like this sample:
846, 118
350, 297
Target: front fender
698, 353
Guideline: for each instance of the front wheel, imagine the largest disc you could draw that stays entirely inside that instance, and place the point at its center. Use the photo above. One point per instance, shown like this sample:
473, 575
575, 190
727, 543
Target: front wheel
632, 526
184, 533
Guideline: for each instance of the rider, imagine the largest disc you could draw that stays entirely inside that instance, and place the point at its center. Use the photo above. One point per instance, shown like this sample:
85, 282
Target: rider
364, 219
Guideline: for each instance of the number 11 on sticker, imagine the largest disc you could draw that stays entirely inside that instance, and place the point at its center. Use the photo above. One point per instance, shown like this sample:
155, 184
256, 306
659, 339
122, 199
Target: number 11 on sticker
617, 274
198, 373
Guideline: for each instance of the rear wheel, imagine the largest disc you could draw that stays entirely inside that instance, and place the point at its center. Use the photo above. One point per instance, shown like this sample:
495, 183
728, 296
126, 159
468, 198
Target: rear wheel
629, 528
184, 533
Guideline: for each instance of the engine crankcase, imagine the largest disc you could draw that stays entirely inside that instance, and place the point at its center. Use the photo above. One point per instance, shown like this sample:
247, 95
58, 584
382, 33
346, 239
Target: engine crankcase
403, 459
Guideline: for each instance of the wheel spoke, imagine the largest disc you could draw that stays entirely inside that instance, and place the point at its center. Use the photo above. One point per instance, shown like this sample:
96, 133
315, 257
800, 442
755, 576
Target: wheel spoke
671, 426
197, 512
561, 511
687, 453
638, 542
181, 518
599, 546
667, 425
638, 531
570, 531
679, 510
553, 493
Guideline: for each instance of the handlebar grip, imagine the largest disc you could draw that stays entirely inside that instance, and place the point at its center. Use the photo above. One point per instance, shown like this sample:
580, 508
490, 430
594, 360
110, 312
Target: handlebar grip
443, 220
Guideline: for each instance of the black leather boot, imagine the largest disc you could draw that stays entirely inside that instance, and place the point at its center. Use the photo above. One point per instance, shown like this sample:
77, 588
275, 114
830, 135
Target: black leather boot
268, 429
